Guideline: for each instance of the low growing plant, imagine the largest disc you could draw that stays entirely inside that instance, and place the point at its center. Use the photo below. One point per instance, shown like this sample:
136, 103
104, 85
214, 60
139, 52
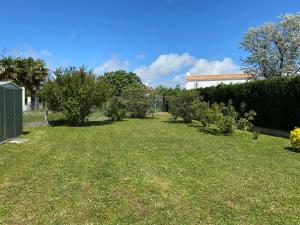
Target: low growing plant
295, 137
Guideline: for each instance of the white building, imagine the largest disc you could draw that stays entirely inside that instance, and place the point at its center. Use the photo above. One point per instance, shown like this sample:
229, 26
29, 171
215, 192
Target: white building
202, 81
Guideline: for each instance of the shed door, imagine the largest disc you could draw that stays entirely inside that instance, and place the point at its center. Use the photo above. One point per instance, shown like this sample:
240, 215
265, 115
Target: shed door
9, 113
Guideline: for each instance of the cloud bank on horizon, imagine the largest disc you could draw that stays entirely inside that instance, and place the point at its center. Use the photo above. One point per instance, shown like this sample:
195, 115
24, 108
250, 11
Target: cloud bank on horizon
171, 69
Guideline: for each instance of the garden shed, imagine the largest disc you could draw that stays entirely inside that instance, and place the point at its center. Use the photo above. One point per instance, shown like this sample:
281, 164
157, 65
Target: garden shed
11, 114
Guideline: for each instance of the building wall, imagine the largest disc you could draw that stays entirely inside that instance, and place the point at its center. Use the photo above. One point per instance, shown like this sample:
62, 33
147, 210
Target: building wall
198, 84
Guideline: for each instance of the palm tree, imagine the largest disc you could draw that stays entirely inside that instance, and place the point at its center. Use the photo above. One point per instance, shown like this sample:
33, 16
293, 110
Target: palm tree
9, 70
32, 75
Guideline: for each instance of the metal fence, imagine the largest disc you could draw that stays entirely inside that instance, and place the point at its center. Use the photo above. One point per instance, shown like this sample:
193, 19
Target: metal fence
11, 115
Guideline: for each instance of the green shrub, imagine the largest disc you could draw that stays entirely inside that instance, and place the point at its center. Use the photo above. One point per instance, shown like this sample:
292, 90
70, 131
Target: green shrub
227, 120
181, 105
115, 109
138, 100
245, 122
255, 134
72, 92
202, 112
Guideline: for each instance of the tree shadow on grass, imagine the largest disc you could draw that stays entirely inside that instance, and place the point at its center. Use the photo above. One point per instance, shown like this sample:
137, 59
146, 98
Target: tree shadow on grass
57, 123
210, 130
25, 132
292, 149
174, 121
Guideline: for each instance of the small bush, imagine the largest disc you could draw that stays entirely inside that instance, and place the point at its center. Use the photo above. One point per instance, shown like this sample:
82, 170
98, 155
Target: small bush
202, 113
295, 137
115, 109
255, 134
138, 100
227, 121
181, 105
245, 122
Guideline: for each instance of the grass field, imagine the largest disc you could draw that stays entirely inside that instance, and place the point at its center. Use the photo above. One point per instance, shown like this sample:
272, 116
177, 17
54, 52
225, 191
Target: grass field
150, 171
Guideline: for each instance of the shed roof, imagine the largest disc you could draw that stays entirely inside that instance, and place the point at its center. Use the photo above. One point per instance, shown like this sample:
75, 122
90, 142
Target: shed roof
9, 83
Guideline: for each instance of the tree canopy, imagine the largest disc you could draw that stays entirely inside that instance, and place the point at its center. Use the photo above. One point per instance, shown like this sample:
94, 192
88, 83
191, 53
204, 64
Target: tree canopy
274, 48
120, 79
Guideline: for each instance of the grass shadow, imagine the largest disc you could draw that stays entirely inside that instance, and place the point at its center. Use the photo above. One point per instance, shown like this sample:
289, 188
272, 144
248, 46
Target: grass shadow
211, 131
292, 149
26, 132
57, 123
174, 121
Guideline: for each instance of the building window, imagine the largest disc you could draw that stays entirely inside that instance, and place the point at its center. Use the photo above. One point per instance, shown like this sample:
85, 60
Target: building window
195, 85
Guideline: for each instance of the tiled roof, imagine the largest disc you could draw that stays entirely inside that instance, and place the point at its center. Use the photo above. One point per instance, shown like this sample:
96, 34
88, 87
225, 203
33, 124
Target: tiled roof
236, 76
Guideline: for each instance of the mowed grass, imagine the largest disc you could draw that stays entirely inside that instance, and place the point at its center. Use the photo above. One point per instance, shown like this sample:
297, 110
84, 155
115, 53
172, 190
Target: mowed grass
150, 171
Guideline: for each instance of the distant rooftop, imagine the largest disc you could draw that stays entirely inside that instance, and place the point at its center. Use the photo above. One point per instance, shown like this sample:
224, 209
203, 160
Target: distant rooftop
234, 76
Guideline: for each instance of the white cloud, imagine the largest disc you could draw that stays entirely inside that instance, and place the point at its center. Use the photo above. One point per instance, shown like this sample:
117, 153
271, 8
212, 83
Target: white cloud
113, 64
27, 50
204, 66
165, 65
165, 68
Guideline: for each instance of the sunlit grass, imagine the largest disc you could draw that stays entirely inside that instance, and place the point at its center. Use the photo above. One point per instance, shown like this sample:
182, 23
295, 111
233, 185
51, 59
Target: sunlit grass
150, 171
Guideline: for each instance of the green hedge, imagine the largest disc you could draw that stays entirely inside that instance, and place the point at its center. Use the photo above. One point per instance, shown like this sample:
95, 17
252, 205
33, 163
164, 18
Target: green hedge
276, 100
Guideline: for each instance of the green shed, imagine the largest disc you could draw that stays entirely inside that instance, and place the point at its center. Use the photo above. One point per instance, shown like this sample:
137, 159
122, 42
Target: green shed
11, 113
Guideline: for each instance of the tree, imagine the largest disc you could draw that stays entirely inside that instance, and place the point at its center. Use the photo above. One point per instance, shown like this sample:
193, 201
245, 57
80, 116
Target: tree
274, 48
9, 70
104, 92
181, 105
32, 75
120, 80
72, 92
138, 100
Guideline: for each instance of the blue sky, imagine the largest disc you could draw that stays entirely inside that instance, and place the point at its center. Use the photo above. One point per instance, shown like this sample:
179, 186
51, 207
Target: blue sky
161, 40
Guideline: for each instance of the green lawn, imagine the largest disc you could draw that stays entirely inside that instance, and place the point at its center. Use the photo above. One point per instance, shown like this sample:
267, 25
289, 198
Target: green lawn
150, 171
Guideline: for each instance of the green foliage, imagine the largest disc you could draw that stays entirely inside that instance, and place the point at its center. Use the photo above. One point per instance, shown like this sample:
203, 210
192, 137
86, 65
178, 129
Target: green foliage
163, 95
120, 79
115, 108
227, 119
245, 122
275, 100
255, 134
104, 92
138, 100
72, 92
202, 112
181, 105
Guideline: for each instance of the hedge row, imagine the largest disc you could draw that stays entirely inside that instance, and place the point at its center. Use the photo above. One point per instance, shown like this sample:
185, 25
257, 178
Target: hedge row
276, 101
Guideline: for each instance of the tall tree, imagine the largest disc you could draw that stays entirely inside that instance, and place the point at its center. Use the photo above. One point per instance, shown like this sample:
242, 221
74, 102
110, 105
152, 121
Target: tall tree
120, 80
274, 48
32, 75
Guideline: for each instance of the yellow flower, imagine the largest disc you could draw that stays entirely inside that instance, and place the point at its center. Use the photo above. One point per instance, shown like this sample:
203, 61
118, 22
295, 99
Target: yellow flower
295, 137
